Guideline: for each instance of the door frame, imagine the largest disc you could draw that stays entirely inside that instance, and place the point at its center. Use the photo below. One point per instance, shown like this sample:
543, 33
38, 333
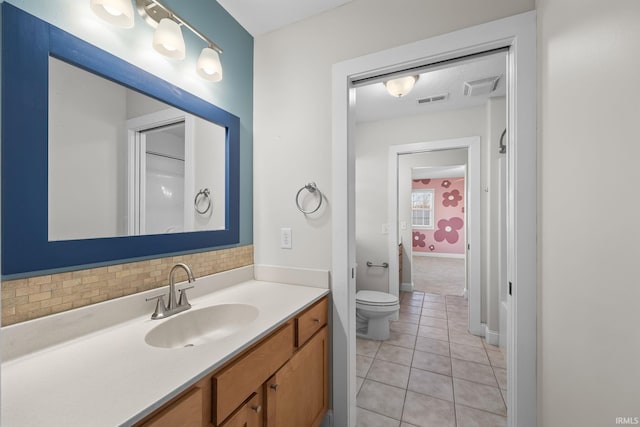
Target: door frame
135, 162
472, 213
518, 33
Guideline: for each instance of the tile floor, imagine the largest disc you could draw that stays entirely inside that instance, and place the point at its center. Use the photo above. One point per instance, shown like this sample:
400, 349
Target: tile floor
431, 372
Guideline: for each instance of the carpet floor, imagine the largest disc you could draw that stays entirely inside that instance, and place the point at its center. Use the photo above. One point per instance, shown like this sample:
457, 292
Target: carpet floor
441, 276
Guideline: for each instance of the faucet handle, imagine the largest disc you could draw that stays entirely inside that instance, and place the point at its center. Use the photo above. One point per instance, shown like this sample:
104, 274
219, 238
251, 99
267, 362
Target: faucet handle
159, 312
183, 302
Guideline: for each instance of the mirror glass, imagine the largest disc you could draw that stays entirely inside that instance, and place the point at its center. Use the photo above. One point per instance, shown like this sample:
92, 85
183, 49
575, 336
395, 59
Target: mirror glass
122, 163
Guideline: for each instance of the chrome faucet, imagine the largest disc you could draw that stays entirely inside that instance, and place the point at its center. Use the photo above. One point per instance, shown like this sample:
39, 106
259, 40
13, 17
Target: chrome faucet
173, 307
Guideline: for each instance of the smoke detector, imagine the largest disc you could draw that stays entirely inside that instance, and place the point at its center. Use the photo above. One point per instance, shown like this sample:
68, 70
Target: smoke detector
434, 98
481, 87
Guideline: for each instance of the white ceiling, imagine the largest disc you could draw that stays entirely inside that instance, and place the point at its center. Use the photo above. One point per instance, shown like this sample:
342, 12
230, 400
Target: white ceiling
373, 102
261, 16
433, 172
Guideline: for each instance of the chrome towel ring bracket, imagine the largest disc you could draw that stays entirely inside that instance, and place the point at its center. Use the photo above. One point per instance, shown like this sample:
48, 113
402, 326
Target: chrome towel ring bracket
383, 265
313, 189
203, 195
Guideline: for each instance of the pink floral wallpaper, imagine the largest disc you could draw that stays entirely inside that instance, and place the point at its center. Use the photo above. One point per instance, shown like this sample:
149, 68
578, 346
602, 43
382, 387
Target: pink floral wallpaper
447, 236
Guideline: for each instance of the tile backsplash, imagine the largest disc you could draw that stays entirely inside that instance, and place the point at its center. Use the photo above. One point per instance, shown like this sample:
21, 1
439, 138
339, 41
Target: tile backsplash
26, 299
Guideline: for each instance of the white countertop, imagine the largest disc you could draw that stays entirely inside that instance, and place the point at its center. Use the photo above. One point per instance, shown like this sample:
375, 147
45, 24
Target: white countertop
111, 377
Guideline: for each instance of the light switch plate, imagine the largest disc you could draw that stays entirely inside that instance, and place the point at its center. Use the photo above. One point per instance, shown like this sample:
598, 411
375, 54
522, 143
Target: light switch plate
285, 238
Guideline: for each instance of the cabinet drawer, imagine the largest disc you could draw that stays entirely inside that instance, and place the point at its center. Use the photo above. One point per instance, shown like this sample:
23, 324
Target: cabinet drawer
310, 321
249, 415
184, 412
235, 383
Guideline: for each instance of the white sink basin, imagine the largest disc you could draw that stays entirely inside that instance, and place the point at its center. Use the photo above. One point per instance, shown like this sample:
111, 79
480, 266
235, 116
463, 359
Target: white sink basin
195, 327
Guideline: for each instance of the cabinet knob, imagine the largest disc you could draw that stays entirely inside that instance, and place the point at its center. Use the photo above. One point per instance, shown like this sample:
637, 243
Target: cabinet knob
274, 386
256, 408
316, 320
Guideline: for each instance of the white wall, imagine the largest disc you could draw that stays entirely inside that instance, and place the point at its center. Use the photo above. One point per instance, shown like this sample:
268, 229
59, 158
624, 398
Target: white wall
292, 106
589, 316
139, 104
209, 161
86, 144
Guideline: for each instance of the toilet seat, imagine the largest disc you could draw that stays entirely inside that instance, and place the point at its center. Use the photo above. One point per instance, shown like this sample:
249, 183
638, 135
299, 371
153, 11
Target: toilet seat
376, 299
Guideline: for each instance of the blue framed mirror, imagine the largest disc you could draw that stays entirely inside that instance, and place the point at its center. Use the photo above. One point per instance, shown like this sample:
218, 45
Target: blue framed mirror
39, 185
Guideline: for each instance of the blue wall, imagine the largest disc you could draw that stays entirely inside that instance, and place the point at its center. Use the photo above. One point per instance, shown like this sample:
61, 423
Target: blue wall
234, 93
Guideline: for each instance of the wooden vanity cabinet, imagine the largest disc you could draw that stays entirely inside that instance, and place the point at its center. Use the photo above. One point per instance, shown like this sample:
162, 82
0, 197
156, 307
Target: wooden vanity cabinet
281, 381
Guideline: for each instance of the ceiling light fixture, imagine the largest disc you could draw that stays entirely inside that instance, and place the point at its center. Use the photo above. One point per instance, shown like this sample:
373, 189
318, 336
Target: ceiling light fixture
115, 12
401, 86
167, 39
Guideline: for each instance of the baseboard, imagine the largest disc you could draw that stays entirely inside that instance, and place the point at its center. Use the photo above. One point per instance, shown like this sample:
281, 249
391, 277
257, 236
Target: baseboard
480, 331
438, 255
328, 419
406, 287
492, 337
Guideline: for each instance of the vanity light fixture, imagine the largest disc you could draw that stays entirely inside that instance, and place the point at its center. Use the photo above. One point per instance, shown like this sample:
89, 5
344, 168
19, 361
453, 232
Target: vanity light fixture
401, 86
208, 66
167, 38
115, 12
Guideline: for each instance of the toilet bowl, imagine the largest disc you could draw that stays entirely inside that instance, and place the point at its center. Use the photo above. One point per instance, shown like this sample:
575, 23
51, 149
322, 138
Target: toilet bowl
374, 310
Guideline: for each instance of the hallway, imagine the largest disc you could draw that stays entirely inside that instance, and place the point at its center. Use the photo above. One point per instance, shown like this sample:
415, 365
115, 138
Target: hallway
431, 372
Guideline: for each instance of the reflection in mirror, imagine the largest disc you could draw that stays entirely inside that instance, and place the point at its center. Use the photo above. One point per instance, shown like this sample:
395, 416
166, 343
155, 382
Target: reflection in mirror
122, 163
160, 201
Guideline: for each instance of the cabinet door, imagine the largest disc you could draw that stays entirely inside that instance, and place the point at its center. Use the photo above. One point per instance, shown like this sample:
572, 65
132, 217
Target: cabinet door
297, 395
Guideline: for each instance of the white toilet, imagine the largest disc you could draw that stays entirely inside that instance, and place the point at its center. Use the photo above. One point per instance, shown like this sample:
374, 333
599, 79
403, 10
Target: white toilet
374, 310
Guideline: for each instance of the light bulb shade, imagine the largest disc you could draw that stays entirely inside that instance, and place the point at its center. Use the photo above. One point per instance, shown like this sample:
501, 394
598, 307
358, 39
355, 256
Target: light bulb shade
208, 66
115, 12
168, 39
401, 86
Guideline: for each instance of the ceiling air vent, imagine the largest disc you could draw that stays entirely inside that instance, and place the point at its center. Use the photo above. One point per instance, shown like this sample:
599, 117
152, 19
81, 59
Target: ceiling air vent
434, 98
481, 87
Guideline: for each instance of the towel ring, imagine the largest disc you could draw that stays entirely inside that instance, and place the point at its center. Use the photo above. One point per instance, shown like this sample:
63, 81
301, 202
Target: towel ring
311, 188
205, 196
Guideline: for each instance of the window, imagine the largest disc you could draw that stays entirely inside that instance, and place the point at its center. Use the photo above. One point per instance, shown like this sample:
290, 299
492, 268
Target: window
422, 208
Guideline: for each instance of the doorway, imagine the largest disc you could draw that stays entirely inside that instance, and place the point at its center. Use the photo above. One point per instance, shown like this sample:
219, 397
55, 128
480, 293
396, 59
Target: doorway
437, 229
517, 33
160, 176
471, 147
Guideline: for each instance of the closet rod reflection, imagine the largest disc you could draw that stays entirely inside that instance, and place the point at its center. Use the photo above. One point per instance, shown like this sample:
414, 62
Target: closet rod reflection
165, 156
